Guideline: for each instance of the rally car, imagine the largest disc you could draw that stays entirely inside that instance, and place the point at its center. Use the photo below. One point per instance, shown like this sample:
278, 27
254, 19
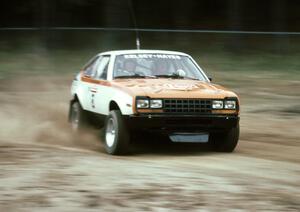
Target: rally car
153, 91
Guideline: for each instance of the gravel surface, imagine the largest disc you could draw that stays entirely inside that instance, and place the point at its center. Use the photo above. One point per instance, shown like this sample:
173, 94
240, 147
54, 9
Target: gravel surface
45, 167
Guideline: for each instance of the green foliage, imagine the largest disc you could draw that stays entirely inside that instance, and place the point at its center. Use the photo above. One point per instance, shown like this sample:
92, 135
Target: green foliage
66, 51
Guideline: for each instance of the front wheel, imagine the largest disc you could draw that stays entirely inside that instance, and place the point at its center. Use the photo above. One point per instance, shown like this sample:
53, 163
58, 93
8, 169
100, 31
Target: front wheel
225, 142
116, 136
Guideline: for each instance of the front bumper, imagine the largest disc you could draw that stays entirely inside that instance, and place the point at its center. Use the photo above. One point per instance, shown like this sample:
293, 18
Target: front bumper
181, 123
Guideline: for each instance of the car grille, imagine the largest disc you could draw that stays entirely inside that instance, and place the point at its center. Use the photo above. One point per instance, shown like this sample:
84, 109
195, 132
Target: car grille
202, 106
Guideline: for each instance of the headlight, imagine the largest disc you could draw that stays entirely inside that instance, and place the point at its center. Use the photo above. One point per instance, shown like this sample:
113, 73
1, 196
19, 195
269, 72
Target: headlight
142, 103
155, 103
230, 104
217, 104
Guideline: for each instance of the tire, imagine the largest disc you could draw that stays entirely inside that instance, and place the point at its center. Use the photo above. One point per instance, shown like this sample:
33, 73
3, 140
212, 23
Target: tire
78, 117
116, 135
225, 142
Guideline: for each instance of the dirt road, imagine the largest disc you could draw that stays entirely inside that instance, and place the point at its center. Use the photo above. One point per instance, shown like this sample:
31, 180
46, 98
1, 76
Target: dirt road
45, 167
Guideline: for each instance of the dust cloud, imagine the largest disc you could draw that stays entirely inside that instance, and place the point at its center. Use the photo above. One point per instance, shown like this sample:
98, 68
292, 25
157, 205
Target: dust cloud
35, 110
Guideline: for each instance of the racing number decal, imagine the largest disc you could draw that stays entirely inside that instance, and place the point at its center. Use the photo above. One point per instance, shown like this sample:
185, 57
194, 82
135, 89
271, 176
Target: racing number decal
93, 90
93, 101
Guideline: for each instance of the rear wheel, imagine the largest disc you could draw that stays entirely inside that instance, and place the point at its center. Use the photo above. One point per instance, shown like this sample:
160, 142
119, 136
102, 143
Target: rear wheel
116, 135
78, 116
225, 142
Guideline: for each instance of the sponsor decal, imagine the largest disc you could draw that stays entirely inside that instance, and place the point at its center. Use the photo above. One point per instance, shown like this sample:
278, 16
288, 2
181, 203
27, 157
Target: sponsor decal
150, 56
181, 87
178, 86
156, 88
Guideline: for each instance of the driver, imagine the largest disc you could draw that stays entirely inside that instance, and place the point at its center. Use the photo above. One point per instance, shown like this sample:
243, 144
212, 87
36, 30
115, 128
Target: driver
129, 65
160, 67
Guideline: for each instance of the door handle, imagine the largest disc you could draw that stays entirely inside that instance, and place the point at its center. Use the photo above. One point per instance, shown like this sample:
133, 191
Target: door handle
93, 90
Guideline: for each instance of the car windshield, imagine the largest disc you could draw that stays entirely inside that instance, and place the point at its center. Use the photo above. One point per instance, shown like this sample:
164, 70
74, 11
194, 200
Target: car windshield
156, 66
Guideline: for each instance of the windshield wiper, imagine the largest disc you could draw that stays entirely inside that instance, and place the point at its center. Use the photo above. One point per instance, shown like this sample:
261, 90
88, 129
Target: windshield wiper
174, 76
134, 76
165, 76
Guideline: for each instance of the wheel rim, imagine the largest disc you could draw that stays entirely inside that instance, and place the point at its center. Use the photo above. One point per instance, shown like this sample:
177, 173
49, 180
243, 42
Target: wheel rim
75, 117
110, 133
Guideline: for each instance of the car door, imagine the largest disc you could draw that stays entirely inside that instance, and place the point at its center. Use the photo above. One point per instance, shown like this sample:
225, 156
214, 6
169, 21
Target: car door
87, 83
99, 90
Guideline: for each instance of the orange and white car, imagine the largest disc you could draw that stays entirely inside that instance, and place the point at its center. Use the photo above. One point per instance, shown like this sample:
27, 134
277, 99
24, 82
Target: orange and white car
153, 91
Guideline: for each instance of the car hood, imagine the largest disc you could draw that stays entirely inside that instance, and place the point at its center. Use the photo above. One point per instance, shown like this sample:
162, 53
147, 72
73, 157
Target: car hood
172, 88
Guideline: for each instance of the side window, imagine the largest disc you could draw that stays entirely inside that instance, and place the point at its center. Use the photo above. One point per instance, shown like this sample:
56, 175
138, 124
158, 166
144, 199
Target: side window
102, 67
89, 69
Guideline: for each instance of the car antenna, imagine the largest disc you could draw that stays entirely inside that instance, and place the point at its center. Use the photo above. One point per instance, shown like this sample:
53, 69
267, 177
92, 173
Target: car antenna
137, 36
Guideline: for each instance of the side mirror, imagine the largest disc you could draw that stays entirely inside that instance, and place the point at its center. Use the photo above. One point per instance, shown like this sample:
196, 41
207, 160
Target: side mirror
210, 79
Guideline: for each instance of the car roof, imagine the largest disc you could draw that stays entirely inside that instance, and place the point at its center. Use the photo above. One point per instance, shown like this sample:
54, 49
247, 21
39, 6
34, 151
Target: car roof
142, 51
